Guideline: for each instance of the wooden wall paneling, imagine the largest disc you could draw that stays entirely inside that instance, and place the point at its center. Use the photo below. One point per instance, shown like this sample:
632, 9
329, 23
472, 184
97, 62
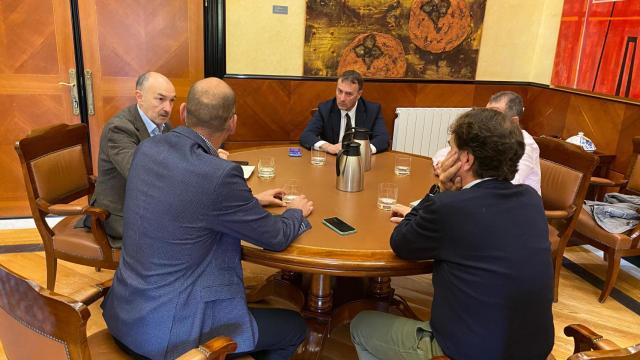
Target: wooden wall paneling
630, 128
122, 39
391, 96
307, 95
445, 95
37, 52
545, 112
599, 119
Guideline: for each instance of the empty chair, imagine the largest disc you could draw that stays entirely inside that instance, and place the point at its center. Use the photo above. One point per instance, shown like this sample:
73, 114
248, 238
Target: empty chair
614, 246
590, 345
565, 171
57, 171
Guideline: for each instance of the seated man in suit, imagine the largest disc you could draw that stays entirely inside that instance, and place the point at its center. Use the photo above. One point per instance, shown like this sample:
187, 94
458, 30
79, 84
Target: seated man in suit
149, 116
492, 275
510, 103
348, 109
179, 282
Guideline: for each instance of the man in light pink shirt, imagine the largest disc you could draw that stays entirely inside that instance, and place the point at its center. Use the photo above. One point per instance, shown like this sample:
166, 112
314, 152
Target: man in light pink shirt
510, 103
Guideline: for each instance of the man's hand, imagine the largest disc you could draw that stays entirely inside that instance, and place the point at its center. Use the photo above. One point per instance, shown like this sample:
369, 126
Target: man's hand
448, 181
271, 197
436, 170
302, 203
398, 212
331, 148
223, 154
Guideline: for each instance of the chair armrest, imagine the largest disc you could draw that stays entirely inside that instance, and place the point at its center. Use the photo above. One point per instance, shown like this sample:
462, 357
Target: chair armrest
598, 181
98, 213
67, 209
586, 339
556, 214
92, 293
216, 348
93, 179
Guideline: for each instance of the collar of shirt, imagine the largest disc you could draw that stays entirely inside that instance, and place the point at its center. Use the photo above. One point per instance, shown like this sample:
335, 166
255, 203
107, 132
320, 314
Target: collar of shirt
476, 182
148, 123
211, 148
343, 120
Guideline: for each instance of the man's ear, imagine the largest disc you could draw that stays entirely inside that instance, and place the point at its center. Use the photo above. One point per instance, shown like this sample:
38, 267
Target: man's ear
233, 122
139, 96
516, 120
467, 159
183, 113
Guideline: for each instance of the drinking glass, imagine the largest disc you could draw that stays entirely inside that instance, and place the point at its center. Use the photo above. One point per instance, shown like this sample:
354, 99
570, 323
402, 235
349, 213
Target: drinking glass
387, 195
292, 189
403, 165
318, 157
266, 167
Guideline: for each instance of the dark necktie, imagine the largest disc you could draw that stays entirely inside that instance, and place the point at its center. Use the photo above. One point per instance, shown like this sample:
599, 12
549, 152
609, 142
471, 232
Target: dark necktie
349, 125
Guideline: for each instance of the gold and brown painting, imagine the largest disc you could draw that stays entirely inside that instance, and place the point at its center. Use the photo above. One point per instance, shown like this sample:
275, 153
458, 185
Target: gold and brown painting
430, 39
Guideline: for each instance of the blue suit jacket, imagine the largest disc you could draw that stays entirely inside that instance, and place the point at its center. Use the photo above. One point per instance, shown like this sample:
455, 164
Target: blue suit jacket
325, 124
493, 278
179, 282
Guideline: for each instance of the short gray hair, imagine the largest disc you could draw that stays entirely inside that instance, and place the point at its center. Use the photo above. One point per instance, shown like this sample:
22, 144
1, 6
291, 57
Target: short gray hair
514, 105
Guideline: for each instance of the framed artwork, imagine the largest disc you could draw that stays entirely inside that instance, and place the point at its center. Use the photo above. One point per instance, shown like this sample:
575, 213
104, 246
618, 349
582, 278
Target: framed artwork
598, 47
426, 39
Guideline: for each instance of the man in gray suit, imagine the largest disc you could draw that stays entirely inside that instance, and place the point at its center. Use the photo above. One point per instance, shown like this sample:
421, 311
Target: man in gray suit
179, 282
121, 135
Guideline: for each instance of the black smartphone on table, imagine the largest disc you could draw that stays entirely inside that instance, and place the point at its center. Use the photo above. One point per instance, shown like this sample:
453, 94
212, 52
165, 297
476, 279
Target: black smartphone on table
336, 224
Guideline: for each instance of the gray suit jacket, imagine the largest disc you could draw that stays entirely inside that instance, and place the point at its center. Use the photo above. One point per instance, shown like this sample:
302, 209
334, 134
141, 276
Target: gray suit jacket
120, 137
179, 282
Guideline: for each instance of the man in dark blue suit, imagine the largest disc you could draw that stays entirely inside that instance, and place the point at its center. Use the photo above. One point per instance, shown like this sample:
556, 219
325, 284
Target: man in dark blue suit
179, 282
492, 276
348, 109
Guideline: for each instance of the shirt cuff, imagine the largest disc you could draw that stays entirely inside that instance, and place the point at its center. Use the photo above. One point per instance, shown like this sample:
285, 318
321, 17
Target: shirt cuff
318, 144
373, 149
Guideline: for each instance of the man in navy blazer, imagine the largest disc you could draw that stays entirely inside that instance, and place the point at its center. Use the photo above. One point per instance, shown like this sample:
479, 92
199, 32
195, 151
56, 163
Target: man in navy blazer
179, 282
348, 109
492, 276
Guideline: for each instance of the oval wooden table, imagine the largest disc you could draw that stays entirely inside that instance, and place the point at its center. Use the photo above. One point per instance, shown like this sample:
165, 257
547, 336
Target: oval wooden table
323, 253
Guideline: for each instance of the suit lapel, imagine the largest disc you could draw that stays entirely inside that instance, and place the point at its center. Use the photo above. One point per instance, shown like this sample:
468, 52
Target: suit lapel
334, 116
138, 123
361, 115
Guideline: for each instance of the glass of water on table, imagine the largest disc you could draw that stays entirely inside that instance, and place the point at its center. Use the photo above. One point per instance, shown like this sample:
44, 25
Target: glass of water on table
292, 189
266, 167
387, 196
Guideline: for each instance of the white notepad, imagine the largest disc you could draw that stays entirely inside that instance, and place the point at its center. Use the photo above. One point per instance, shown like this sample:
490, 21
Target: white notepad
247, 170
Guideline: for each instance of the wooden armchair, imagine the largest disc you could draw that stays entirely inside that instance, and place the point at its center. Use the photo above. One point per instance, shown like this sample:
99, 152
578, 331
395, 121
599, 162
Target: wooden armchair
36, 323
590, 345
614, 246
565, 172
57, 171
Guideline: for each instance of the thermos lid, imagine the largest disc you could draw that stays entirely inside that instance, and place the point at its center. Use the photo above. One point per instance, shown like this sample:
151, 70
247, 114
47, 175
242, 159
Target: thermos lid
351, 149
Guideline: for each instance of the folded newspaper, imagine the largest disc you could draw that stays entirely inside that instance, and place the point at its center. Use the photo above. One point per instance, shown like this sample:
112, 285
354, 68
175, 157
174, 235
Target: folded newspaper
618, 213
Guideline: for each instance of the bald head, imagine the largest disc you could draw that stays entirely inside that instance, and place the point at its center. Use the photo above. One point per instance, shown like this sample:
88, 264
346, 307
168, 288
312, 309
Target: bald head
210, 105
155, 95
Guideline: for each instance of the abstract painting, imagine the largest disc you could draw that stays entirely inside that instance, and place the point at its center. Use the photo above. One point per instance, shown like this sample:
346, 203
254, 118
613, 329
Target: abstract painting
598, 47
428, 39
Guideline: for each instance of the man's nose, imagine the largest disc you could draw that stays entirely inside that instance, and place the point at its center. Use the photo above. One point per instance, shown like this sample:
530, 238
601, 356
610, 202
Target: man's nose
167, 106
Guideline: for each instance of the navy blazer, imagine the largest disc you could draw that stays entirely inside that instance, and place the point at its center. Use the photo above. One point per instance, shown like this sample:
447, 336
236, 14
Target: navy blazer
325, 124
493, 277
179, 282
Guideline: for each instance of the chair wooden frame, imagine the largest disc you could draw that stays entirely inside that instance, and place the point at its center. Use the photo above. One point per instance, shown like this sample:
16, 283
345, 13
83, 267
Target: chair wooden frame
39, 144
63, 320
564, 220
591, 345
612, 255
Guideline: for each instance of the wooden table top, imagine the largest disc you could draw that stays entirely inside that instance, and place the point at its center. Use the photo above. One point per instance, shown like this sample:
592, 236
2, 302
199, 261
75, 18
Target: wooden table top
321, 250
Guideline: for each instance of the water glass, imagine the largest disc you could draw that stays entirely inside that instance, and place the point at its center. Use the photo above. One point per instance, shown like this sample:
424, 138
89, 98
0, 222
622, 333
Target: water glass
292, 189
318, 157
403, 165
387, 196
266, 167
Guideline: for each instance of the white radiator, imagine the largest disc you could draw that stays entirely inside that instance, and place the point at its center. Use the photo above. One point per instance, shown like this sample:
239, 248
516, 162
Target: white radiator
423, 131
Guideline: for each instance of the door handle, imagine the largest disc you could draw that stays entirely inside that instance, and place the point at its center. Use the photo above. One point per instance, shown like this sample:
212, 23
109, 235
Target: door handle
88, 80
73, 91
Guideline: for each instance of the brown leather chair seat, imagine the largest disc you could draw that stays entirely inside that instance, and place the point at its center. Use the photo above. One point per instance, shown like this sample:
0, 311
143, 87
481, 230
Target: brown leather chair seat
587, 226
79, 242
102, 346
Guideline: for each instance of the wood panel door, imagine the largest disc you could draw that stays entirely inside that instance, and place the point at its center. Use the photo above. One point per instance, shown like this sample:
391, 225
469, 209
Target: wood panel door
36, 53
122, 39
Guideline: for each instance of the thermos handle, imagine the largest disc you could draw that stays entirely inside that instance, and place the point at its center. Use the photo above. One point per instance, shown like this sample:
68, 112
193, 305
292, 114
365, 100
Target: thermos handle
338, 156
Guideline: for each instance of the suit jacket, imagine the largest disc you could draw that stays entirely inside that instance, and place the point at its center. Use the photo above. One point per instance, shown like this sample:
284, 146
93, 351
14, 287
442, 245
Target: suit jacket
325, 124
179, 282
120, 137
492, 278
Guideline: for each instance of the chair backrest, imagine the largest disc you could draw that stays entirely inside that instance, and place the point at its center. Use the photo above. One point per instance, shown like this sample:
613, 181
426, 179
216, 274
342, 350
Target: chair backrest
559, 185
633, 172
38, 324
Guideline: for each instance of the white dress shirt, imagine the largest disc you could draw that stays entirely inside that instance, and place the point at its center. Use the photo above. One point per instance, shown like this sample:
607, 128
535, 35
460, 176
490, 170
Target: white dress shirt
343, 125
528, 167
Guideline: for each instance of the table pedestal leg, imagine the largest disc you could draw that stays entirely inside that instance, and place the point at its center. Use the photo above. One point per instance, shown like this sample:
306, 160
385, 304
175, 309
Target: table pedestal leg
318, 315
